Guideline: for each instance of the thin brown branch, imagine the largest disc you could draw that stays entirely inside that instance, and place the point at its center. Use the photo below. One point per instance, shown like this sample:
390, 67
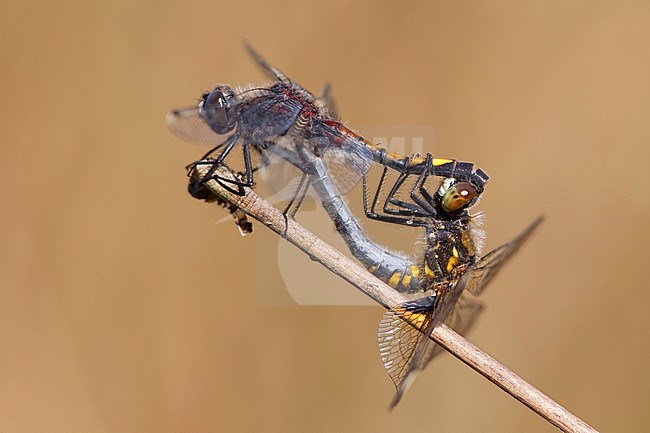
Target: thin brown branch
381, 293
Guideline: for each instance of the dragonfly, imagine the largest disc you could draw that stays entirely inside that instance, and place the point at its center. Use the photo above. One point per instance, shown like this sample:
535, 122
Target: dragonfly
442, 284
247, 126
284, 119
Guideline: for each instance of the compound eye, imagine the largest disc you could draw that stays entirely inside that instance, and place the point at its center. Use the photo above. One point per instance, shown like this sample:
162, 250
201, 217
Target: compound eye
457, 196
217, 107
219, 97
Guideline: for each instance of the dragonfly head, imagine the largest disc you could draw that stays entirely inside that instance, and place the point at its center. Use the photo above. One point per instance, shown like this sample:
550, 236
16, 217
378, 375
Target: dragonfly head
217, 109
455, 198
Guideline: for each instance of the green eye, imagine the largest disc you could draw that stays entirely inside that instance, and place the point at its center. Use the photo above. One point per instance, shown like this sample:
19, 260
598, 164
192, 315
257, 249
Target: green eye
457, 196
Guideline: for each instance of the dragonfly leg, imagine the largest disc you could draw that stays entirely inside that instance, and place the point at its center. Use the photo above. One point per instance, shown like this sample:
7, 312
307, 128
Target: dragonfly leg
294, 204
240, 181
404, 208
386, 216
299, 197
424, 200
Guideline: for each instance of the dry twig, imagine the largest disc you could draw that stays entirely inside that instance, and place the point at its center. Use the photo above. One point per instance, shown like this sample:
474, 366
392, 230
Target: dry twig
383, 294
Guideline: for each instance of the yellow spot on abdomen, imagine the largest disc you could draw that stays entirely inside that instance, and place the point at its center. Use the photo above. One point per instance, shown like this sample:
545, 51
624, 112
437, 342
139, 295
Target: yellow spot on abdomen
415, 160
394, 279
441, 161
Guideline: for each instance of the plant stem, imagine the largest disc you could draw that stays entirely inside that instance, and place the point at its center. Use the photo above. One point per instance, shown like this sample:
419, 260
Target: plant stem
341, 265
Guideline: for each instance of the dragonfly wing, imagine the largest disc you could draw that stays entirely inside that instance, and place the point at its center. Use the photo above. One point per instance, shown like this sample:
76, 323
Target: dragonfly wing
270, 70
488, 266
404, 345
347, 158
326, 100
188, 125
462, 318
346, 169
399, 334
464, 315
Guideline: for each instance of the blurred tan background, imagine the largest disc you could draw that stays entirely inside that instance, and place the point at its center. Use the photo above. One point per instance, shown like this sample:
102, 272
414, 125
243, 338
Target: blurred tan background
124, 308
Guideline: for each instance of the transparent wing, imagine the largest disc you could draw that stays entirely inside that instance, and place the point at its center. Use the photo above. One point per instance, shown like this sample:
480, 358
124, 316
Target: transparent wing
188, 125
345, 166
346, 169
462, 318
448, 311
270, 70
464, 315
399, 333
403, 332
346, 157
326, 100
404, 345
488, 266
282, 180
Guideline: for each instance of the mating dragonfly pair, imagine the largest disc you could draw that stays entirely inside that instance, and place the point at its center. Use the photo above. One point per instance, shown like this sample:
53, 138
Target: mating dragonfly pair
249, 126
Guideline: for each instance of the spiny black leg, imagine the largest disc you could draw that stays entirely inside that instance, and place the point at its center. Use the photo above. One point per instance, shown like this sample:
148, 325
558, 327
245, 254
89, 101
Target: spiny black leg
380, 187
419, 186
390, 198
233, 186
430, 169
375, 199
301, 197
236, 185
425, 194
372, 213
407, 209
193, 169
298, 203
228, 145
410, 209
228, 186
298, 193
248, 165
403, 216
225, 142
364, 184
244, 179
406, 221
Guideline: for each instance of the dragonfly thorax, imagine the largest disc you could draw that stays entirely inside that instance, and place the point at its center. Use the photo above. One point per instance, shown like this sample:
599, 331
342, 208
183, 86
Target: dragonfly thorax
450, 249
292, 91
